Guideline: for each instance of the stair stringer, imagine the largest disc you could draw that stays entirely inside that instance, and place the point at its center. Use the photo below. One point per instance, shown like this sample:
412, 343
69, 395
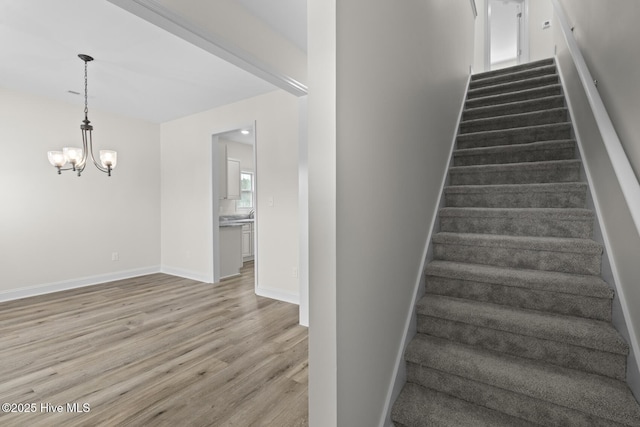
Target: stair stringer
609, 270
399, 377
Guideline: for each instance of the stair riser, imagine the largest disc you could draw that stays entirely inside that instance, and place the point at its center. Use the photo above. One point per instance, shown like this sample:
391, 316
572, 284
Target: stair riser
533, 225
546, 103
507, 98
547, 260
420, 406
514, 404
512, 70
500, 199
514, 121
513, 87
512, 77
508, 155
548, 351
514, 136
552, 302
538, 174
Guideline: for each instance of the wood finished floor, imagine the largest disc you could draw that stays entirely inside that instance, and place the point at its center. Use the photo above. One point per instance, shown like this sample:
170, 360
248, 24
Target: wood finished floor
157, 350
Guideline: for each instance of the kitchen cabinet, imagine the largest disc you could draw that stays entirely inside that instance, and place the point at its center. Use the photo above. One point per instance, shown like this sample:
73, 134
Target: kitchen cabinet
230, 251
229, 175
247, 242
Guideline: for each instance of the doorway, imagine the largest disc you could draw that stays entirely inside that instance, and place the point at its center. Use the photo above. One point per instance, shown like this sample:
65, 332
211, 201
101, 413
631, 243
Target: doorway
507, 33
234, 184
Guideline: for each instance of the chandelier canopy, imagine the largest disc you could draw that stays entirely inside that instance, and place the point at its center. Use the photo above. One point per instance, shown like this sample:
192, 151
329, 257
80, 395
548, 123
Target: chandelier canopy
75, 158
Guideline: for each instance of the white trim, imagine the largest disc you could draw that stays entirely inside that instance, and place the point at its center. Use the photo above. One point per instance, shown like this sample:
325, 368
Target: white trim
633, 337
420, 279
81, 282
152, 11
624, 172
303, 210
187, 274
278, 295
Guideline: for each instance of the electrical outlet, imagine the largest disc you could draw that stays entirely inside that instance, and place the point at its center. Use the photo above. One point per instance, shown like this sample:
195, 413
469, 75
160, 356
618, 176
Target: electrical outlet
115, 256
294, 272
270, 201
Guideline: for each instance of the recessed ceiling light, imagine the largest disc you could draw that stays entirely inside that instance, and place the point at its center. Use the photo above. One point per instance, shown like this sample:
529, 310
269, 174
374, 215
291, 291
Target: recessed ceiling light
244, 132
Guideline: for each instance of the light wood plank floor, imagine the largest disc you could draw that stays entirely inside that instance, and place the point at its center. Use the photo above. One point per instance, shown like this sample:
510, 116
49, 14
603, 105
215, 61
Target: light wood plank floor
156, 350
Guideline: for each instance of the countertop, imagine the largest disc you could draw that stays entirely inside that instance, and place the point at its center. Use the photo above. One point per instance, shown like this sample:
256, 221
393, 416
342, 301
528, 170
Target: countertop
235, 221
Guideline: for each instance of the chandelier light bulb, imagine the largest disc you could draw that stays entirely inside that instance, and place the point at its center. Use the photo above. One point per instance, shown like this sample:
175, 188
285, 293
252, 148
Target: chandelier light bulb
108, 158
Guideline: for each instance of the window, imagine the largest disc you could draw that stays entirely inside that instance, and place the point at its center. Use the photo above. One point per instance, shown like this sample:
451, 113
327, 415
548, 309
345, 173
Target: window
246, 191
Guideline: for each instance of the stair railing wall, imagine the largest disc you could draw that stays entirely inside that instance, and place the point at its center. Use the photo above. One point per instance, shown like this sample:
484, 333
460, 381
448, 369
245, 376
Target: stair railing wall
615, 190
399, 374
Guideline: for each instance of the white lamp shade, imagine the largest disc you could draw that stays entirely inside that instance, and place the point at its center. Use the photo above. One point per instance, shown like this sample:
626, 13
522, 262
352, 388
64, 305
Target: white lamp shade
108, 158
56, 158
72, 154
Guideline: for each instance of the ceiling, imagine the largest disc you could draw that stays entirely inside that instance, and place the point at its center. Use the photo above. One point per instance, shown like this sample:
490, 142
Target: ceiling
139, 69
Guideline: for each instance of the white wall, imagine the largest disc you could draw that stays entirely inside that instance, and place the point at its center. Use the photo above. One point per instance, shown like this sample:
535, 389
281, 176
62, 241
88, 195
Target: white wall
186, 189
617, 67
377, 156
541, 44
321, 149
59, 231
608, 34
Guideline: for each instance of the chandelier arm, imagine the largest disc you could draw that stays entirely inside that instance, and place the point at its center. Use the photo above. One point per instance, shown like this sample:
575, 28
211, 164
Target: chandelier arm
98, 165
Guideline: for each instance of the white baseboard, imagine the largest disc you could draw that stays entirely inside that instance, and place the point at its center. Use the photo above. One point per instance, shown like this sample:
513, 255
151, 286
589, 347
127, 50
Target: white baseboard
81, 282
187, 274
278, 295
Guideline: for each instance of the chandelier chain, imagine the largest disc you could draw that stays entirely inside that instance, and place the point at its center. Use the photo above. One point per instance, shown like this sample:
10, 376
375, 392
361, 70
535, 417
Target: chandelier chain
86, 103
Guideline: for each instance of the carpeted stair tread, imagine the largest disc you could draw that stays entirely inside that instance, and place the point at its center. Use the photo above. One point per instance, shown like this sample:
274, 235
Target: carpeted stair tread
552, 292
513, 86
550, 222
418, 406
537, 104
595, 395
511, 97
510, 70
568, 255
588, 333
550, 281
552, 171
519, 153
516, 120
512, 76
521, 135
550, 195
556, 244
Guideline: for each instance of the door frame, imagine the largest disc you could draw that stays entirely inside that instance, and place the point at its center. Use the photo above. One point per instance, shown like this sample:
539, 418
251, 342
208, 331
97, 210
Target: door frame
215, 203
523, 37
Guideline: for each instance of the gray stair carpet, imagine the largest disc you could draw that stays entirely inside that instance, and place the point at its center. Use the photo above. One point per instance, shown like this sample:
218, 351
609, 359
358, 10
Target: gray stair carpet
515, 326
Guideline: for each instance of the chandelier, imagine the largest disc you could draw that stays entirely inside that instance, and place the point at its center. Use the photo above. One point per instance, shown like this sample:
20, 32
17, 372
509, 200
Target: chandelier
76, 157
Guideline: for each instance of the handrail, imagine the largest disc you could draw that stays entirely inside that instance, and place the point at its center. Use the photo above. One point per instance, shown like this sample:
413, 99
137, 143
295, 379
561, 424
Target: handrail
624, 172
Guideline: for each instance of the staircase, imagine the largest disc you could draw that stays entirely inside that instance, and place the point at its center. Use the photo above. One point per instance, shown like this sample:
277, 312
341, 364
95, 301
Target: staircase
515, 327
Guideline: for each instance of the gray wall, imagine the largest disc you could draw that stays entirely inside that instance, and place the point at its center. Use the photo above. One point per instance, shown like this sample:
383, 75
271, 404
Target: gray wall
608, 41
59, 231
381, 124
608, 34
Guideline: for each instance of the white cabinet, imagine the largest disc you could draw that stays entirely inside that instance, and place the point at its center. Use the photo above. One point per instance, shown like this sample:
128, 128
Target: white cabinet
233, 179
230, 251
229, 175
247, 242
